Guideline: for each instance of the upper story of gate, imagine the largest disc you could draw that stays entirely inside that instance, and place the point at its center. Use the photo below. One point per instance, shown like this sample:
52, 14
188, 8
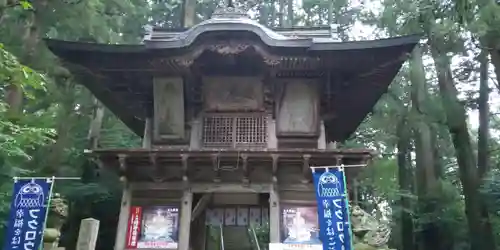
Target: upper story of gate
231, 83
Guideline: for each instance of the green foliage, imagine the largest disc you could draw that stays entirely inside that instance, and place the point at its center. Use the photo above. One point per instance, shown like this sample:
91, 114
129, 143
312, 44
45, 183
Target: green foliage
50, 134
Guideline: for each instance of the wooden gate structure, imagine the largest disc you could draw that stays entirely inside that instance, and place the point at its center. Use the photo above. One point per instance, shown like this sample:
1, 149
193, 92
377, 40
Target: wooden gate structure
232, 116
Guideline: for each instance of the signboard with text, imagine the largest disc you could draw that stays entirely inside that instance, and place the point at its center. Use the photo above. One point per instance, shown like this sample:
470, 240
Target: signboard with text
153, 227
28, 212
299, 225
333, 208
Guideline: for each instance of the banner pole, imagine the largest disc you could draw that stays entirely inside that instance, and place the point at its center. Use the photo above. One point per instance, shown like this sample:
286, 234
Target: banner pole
47, 211
346, 193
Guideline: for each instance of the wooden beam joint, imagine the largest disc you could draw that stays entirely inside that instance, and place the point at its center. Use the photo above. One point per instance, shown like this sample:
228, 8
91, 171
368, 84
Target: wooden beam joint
216, 167
306, 171
122, 159
158, 174
246, 179
275, 158
185, 166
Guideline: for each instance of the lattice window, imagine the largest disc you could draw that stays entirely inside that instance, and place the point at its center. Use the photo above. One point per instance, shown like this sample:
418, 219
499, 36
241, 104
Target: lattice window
229, 130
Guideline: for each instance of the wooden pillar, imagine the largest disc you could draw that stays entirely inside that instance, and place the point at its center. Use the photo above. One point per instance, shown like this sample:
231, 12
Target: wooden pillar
196, 134
146, 139
322, 137
185, 221
121, 231
274, 215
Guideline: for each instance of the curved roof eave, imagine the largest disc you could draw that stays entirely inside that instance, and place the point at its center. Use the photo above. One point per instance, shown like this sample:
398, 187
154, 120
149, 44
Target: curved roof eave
325, 44
316, 44
62, 45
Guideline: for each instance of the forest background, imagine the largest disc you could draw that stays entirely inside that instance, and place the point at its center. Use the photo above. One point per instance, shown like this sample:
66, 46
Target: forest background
436, 179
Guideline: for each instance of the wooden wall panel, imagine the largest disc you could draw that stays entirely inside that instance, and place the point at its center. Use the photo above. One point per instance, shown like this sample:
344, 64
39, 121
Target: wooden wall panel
298, 108
169, 123
233, 93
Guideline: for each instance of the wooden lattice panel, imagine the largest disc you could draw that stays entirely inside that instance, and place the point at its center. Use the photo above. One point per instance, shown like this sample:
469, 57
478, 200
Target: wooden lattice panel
234, 131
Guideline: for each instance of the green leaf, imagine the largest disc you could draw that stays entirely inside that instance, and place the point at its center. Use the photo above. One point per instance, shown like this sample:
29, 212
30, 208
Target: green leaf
26, 5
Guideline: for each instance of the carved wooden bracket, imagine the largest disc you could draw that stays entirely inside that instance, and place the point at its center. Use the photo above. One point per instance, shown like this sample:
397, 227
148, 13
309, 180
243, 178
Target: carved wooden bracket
306, 171
122, 160
215, 164
158, 173
338, 160
185, 166
275, 158
244, 167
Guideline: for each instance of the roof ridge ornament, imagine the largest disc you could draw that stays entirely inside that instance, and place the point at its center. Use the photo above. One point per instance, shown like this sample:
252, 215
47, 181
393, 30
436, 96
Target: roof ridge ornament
230, 12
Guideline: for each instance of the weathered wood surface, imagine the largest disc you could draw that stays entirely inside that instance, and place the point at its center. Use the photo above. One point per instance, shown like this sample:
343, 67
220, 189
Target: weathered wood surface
169, 109
185, 220
121, 231
298, 110
233, 93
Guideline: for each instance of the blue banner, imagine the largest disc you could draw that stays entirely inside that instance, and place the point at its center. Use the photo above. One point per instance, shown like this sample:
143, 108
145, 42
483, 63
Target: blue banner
28, 211
333, 208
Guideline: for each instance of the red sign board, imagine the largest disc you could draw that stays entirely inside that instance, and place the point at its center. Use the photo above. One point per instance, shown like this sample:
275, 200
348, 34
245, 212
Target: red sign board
134, 227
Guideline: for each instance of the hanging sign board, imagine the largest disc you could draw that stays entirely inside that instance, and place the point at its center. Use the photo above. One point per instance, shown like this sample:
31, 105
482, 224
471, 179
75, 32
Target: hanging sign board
153, 227
28, 211
333, 207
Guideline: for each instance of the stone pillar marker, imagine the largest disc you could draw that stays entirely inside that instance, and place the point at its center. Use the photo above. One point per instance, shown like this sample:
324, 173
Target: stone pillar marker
87, 237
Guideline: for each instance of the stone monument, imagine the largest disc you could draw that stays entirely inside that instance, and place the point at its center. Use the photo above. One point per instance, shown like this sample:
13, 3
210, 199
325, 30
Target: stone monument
58, 212
368, 232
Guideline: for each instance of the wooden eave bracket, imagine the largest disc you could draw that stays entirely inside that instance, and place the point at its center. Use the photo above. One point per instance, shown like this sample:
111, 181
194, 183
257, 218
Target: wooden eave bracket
185, 165
158, 174
122, 160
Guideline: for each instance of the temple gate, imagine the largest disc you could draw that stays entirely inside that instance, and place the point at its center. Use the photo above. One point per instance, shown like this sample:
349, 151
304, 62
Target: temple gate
232, 115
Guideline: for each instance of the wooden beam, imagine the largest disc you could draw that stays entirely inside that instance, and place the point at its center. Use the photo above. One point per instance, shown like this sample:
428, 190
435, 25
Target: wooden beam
204, 187
146, 138
201, 205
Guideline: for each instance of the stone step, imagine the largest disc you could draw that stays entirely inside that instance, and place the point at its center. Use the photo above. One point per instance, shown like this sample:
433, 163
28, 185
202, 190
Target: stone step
237, 238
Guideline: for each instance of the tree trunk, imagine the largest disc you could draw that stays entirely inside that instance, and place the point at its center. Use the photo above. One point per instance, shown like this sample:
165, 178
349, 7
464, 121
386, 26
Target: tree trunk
484, 112
290, 14
14, 98
65, 114
495, 60
330, 12
96, 124
282, 13
480, 235
189, 16
405, 178
423, 138
427, 187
